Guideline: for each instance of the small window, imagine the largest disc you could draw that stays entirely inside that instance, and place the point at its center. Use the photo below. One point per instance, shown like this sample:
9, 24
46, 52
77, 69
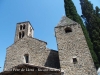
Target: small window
19, 34
23, 34
20, 27
68, 29
30, 29
74, 60
26, 58
24, 26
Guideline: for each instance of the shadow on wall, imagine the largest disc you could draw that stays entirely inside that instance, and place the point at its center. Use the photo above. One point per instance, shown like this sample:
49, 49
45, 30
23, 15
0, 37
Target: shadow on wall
53, 60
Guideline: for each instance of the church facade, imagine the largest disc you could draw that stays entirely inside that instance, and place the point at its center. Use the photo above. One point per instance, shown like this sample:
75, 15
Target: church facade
72, 58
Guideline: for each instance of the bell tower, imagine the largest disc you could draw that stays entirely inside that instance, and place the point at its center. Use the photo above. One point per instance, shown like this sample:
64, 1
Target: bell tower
23, 29
74, 54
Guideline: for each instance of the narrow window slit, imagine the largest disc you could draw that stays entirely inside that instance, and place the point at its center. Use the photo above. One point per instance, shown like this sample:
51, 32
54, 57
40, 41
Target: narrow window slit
26, 58
23, 34
19, 35
74, 60
20, 27
24, 26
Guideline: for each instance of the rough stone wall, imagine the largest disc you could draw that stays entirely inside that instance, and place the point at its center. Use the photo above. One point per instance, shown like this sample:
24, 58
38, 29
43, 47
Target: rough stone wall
52, 59
73, 45
36, 49
33, 47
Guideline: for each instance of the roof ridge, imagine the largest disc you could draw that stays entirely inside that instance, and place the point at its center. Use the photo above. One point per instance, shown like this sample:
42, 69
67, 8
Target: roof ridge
65, 21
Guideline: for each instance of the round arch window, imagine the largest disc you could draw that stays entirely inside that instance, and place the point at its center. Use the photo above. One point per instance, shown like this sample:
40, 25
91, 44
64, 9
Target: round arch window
23, 33
68, 29
26, 56
24, 26
20, 27
19, 34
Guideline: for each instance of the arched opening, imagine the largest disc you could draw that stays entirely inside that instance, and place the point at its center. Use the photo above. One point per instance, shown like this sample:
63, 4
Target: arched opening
30, 29
23, 34
24, 26
20, 27
19, 34
26, 56
68, 29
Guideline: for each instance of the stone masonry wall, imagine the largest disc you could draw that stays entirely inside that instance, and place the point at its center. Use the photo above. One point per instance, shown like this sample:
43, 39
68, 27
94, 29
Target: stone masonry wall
73, 45
39, 55
52, 59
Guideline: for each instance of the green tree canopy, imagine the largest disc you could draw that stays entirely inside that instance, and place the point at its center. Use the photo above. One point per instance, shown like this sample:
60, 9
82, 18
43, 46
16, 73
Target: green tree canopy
71, 12
92, 21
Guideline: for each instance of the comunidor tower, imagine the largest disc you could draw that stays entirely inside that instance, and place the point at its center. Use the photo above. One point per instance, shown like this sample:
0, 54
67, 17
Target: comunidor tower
23, 29
74, 54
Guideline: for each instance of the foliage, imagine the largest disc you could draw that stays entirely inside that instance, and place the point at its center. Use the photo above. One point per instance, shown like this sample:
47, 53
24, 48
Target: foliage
92, 20
71, 12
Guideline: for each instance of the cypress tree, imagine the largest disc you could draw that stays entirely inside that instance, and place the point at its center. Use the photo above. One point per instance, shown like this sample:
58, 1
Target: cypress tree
92, 20
71, 12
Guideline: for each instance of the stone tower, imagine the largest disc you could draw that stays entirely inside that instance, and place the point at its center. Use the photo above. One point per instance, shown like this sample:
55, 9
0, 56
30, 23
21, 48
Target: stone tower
74, 54
29, 51
23, 29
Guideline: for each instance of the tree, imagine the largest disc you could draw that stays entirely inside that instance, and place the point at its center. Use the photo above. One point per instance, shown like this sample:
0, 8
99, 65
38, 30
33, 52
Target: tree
92, 21
71, 12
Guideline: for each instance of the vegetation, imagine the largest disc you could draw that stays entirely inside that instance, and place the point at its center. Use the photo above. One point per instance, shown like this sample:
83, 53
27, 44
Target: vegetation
92, 21
71, 12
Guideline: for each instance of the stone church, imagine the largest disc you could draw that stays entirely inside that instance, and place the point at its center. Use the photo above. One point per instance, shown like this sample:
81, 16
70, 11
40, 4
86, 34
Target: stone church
30, 56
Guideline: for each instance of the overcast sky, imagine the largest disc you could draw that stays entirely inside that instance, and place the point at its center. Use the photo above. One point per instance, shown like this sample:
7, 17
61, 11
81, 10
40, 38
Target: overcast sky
44, 15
